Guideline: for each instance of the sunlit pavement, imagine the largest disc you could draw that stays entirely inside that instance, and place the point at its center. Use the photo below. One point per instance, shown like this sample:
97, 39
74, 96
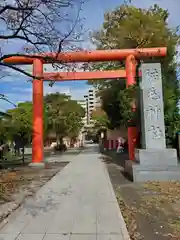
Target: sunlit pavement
78, 203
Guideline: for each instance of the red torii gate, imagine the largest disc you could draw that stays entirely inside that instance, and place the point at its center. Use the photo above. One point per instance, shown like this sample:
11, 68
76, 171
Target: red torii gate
129, 55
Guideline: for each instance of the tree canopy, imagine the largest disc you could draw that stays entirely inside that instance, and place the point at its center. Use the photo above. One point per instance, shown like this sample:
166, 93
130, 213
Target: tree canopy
20, 126
131, 27
100, 118
62, 117
38, 26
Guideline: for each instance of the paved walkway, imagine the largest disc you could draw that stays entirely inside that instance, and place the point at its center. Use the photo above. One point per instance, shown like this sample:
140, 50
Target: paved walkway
77, 204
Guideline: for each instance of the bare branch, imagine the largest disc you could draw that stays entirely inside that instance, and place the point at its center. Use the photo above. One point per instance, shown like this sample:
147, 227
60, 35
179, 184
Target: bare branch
70, 32
4, 98
21, 38
36, 23
9, 7
20, 70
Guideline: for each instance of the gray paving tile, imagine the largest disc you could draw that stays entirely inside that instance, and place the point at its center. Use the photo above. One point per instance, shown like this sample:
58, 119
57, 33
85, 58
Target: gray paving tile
8, 236
108, 221
65, 218
56, 237
85, 221
39, 224
14, 227
85, 205
30, 237
83, 237
110, 237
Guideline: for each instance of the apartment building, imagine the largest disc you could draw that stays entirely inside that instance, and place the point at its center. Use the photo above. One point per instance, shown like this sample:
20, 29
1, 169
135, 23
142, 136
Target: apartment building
92, 102
84, 105
89, 103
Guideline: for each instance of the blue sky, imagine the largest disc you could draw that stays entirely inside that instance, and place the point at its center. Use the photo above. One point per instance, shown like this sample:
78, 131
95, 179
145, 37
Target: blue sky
16, 87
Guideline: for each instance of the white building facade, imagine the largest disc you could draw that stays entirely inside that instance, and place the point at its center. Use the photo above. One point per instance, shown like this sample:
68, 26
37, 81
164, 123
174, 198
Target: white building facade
92, 101
89, 103
83, 104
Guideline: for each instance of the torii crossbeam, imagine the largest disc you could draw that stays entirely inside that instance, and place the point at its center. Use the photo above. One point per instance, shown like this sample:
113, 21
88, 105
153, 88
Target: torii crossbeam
129, 55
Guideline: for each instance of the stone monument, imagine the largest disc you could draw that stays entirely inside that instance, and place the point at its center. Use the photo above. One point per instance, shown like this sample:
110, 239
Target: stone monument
154, 160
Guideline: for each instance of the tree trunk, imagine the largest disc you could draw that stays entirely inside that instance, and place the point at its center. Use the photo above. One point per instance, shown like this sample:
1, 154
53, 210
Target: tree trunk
23, 160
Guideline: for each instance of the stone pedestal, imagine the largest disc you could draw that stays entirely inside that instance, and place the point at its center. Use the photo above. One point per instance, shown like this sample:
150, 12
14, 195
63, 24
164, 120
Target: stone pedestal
160, 173
156, 157
156, 165
154, 162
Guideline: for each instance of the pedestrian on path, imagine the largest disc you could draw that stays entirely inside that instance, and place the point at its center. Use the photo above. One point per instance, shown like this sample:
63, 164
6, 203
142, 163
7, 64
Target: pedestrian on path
120, 148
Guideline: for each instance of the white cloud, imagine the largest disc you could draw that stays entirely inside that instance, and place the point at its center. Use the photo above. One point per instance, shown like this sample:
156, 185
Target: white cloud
25, 94
12, 75
55, 88
75, 93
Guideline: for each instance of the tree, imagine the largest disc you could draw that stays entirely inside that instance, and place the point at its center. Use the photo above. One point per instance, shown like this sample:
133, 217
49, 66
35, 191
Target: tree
20, 126
3, 132
64, 115
4, 117
19, 122
39, 26
54, 104
100, 118
73, 114
131, 27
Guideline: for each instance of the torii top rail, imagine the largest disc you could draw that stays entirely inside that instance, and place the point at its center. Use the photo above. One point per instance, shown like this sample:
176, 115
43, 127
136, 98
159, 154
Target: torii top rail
129, 55
89, 56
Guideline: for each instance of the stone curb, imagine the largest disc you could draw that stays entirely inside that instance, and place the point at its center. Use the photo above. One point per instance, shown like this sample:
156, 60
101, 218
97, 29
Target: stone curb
8, 208
124, 230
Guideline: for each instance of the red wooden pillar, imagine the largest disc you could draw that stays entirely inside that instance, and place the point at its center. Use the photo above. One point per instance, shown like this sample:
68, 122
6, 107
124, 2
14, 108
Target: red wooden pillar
131, 80
37, 141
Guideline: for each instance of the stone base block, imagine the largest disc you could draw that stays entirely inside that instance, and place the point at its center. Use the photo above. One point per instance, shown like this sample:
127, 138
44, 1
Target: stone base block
129, 167
162, 173
156, 157
37, 165
155, 173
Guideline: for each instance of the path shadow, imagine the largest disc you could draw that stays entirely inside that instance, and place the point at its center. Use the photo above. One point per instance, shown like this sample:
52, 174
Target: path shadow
112, 157
18, 162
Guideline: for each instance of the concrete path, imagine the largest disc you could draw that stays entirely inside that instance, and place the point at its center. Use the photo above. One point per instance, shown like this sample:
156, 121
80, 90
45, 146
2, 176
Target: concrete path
65, 157
77, 204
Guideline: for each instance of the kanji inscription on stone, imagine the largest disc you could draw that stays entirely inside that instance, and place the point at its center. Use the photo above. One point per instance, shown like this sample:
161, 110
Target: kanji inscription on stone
153, 112
152, 107
153, 94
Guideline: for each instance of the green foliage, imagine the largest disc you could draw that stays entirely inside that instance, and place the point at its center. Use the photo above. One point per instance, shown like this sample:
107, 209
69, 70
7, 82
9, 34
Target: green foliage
4, 118
100, 119
101, 122
126, 97
131, 27
21, 122
64, 115
3, 135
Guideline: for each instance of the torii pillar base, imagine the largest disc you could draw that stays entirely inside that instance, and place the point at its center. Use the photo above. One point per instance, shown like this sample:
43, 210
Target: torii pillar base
37, 165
